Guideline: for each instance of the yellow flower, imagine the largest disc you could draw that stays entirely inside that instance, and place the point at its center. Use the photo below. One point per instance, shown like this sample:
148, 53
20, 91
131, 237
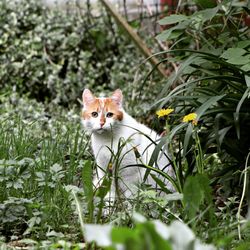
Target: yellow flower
164, 112
190, 118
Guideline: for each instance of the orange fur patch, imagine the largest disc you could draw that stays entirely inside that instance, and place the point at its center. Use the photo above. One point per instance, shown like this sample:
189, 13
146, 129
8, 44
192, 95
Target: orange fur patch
102, 105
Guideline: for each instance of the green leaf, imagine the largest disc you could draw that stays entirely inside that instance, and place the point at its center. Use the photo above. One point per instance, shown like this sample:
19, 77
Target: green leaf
88, 187
240, 60
165, 35
247, 79
154, 240
187, 137
173, 19
200, 111
246, 67
205, 106
222, 133
237, 113
161, 184
196, 191
157, 150
243, 44
206, 3
122, 234
134, 239
243, 245
176, 129
233, 53
206, 14
87, 179
175, 34
104, 188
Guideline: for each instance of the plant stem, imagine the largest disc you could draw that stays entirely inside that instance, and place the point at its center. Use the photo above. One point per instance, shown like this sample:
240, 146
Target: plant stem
243, 194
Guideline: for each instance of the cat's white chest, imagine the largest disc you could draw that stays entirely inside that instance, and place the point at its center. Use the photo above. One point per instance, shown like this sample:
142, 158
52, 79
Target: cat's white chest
103, 149
117, 150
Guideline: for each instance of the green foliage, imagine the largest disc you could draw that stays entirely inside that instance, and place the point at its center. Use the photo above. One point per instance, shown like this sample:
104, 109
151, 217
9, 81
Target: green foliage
145, 235
135, 238
212, 79
88, 187
52, 55
210, 52
196, 192
39, 161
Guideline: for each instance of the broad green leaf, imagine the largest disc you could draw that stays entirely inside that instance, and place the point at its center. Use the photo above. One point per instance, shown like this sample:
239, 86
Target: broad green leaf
233, 53
134, 239
173, 19
240, 60
206, 14
246, 67
164, 35
196, 191
243, 44
122, 234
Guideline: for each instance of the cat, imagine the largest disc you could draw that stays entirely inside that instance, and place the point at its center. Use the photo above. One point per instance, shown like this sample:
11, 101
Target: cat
119, 141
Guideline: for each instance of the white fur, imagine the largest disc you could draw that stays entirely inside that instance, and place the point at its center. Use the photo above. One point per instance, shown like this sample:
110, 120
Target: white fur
105, 142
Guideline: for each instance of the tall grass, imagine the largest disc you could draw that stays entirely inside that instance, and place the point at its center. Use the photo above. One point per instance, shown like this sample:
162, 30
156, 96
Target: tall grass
41, 161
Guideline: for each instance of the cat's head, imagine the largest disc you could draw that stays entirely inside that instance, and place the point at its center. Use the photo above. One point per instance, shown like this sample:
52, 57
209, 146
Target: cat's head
101, 114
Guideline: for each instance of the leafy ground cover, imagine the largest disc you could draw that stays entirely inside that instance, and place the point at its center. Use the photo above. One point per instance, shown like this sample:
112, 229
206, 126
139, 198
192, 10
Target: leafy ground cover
47, 199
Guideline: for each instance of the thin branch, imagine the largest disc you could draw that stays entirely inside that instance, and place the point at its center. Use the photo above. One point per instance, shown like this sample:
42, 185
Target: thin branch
134, 36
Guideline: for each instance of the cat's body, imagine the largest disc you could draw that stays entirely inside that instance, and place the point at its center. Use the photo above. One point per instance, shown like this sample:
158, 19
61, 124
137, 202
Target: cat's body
119, 141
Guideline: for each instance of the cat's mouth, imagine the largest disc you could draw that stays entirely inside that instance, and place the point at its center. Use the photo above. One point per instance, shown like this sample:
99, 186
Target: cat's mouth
100, 130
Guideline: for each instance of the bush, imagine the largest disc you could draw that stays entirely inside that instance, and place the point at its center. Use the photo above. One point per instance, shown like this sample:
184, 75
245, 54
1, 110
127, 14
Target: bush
212, 79
53, 55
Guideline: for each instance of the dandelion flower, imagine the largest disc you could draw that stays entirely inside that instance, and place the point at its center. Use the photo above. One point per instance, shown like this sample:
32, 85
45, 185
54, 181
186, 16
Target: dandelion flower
190, 118
164, 112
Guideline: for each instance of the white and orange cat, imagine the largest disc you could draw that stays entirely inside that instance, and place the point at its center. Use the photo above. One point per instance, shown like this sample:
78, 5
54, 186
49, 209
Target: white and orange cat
118, 140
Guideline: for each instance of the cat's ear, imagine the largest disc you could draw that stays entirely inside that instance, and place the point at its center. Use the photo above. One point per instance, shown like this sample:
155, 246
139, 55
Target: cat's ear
87, 97
117, 97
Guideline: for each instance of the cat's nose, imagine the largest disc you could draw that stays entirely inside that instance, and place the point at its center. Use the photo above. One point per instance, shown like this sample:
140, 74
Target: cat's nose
102, 123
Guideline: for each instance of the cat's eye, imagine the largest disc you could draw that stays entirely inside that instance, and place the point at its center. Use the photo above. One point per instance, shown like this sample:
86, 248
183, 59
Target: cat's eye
94, 114
109, 115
